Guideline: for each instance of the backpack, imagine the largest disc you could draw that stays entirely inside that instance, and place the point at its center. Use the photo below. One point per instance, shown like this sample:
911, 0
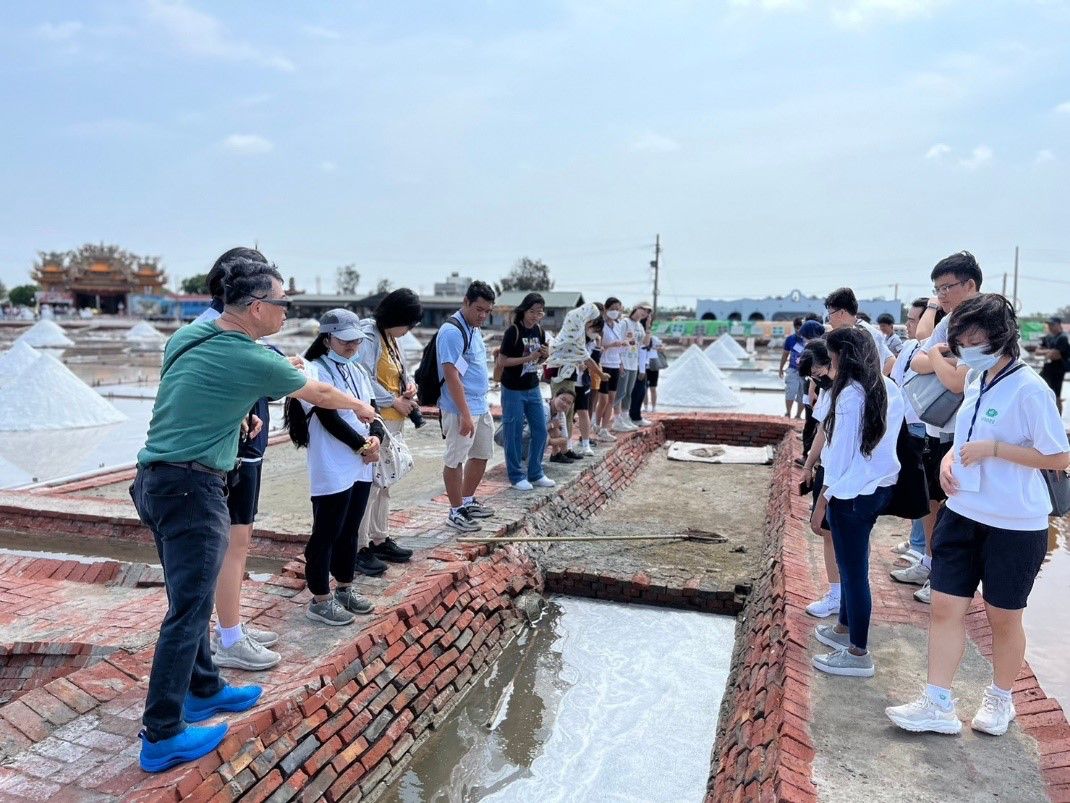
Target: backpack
428, 385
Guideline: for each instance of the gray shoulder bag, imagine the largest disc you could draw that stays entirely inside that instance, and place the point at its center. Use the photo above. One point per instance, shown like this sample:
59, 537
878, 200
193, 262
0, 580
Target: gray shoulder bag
933, 403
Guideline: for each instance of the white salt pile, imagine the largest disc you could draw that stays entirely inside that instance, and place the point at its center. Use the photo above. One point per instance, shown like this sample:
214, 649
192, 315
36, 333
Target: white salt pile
719, 354
733, 346
46, 334
693, 382
37, 391
309, 326
145, 332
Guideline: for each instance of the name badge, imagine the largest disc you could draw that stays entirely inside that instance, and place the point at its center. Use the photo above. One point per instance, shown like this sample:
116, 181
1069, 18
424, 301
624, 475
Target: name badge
461, 365
967, 477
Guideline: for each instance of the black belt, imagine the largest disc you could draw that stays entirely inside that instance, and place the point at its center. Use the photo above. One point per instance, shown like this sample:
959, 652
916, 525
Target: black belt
193, 465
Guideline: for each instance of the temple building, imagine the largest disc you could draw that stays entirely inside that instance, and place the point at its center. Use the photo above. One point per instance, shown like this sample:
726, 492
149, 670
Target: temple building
101, 276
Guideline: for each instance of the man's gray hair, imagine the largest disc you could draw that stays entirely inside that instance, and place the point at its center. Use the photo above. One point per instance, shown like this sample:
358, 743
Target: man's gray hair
247, 280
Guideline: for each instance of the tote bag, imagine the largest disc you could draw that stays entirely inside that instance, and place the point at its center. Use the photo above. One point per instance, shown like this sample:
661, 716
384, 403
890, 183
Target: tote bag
395, 461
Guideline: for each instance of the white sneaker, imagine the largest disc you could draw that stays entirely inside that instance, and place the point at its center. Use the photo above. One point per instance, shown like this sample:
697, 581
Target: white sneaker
542, 482
901, 548
995, 714
605, 435
915, 574
247, 654
824, 607
523, 485
642, 422
924, 715
587, 451
924, 594
619, 425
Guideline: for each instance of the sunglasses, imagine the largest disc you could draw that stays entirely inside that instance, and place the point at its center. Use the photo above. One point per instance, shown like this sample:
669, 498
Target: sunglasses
285, 303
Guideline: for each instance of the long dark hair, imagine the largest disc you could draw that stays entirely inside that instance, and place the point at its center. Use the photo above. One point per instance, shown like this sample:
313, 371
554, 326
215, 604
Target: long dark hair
400, 307
857, 361
992, 314
293, 415
530, 300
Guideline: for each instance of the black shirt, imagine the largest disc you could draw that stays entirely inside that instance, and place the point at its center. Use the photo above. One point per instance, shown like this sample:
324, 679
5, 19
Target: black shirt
518, 342
1060, 343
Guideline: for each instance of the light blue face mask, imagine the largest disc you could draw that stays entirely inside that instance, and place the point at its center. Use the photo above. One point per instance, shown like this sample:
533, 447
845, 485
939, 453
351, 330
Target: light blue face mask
338, 358
976, 358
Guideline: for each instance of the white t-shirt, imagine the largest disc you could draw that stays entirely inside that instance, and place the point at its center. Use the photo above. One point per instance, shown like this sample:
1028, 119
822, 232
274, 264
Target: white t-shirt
878, 340
849, 473
611, 333
822, 406
629, 359
552, 417
332, 466
938, 336
1019, 410
901, 372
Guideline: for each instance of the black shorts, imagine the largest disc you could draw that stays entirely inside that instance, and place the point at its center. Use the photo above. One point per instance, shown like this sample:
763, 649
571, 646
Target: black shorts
934, 453
1004, 562
244, 493
1054, 380
582, 396
652, 379
610, 385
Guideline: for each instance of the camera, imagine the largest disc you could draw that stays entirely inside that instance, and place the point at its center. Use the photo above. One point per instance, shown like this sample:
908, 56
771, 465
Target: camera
416, 417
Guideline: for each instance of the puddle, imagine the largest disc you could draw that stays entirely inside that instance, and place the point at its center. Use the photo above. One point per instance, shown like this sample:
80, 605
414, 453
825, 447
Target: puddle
597, 702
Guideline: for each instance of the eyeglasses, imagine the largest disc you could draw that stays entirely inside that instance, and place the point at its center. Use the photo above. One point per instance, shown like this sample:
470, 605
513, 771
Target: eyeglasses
943, 289
285, 303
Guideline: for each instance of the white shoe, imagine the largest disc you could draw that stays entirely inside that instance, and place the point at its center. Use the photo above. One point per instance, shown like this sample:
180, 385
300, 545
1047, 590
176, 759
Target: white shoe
587, 451
642, 422
824, 607
619, 425
542, 482
924, 715
995, 714
901, 548
631, 425
924, 594
915, 574
605, 435
523, 485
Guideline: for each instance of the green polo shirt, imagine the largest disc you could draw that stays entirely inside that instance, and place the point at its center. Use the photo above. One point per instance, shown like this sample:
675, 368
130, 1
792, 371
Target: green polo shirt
207, 392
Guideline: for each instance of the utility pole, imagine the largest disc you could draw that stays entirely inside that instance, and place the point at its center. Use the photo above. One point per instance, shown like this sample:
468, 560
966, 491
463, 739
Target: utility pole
1015, 278
656, 265
1004, 293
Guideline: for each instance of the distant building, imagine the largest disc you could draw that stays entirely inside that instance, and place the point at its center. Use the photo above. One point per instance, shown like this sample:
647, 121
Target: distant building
785, 308
558, 302
99, 276
455, 285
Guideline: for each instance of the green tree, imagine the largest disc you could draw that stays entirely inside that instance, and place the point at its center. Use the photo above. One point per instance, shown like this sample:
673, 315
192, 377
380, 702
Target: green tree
384, 286
528, 275
346, 279
196, 285
23, 295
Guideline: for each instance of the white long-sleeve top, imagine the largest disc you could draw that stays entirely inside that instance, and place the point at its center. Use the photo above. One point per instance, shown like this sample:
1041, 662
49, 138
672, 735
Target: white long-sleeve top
848, 472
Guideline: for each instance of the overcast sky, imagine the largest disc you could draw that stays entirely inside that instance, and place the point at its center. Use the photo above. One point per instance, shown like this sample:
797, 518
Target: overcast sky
774, 144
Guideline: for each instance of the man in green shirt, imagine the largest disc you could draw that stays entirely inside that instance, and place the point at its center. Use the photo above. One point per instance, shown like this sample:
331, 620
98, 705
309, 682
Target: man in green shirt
212, 374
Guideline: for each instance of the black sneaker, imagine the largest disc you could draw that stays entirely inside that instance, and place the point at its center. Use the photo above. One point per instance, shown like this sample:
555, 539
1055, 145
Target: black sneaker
559, 458
391, 552
368, 564
477, 510
573, 455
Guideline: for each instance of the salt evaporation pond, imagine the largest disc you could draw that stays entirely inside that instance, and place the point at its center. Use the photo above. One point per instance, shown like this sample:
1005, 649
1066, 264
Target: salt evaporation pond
603, 701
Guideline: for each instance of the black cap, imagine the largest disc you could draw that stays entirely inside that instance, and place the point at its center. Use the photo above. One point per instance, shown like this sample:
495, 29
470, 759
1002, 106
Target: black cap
1055, 319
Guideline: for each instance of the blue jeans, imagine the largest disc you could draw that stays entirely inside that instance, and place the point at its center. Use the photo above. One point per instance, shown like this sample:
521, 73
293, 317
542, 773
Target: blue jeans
187, 513
851, 522
635, 408
518, 405
917, 529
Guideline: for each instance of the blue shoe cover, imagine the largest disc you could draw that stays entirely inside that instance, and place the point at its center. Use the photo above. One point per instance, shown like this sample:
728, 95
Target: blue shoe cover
228, 698
189, 745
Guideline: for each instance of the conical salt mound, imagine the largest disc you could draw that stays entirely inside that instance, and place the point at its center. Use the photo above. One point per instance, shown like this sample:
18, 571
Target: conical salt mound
736, 350
145, 332
44, 394
46, 334
694, 383
693, 349
309, 326
409, 343
13, 361
719, 354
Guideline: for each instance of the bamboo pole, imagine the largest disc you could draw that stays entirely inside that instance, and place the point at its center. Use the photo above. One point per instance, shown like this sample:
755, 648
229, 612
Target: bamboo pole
711, 537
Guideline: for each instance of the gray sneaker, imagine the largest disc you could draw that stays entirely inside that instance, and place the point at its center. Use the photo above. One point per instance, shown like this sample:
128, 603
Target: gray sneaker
247, 654
915, 574
477, 510
828, 636
329, 612
460, 520
264, 637
844, 663
352, 601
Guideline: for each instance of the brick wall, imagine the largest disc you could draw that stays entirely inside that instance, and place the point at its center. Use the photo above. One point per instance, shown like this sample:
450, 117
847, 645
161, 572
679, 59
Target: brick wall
27, 665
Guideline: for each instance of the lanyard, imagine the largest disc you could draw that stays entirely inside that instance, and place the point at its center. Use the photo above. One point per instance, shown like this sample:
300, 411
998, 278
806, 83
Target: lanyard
343, 372
1007, 371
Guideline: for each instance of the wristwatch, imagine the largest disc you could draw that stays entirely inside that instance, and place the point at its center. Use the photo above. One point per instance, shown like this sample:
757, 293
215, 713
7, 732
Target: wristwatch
932, 306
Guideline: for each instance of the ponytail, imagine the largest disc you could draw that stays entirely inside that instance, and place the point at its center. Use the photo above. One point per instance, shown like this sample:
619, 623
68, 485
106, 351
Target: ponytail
293, 415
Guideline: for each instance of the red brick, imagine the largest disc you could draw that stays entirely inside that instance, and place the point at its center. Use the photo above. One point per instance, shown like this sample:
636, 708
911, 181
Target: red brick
376, 753
25, 720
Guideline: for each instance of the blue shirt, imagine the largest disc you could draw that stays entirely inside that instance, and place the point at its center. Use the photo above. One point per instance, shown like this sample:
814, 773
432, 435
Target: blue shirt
475, 380
793, 344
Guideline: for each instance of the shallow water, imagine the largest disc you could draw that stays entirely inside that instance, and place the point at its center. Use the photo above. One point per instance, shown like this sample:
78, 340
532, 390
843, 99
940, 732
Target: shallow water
601, 701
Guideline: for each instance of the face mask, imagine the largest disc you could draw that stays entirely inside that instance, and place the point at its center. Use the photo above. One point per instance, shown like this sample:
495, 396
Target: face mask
822, 382
613, 314
975, 357
334, 356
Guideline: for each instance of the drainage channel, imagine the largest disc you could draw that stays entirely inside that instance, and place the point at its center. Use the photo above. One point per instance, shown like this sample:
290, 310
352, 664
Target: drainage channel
596, 701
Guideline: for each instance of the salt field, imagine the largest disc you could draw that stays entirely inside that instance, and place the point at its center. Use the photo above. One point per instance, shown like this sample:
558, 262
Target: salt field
593, 705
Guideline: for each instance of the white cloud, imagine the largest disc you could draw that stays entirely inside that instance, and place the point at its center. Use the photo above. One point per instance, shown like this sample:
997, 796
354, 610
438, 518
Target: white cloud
328, 166
201, 34
938, 151
1044, 155
1063, 108
981, 155
249, 144
319, 32
862, 13
653, 143
59, 31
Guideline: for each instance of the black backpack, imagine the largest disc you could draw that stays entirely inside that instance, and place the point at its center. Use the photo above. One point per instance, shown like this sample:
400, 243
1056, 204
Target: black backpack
428, 385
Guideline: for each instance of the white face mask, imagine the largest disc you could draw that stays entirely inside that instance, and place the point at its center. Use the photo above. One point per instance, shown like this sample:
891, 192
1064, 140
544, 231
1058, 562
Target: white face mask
975, 357
613, 314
